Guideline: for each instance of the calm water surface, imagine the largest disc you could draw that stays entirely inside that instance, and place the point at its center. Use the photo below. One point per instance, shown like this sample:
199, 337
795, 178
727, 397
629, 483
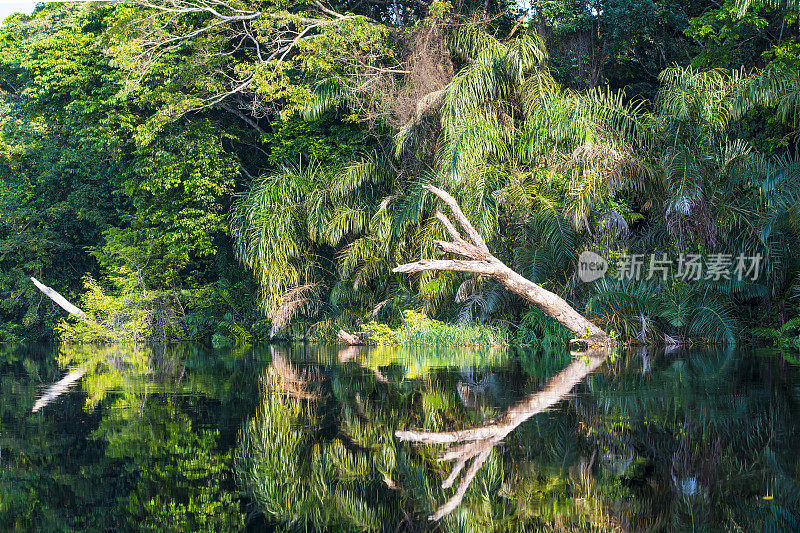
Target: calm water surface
312, 438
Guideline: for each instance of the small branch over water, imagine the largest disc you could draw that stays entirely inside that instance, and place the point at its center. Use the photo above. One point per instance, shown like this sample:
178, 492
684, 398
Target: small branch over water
57, 298
62, 385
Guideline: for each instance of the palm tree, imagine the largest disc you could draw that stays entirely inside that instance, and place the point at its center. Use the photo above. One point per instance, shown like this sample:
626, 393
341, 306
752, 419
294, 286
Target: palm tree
517, 152
777, 85
270, 228
543, 173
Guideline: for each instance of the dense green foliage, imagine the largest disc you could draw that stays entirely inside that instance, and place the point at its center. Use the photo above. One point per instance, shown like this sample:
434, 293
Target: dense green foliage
230, 172
246, 170
135, 456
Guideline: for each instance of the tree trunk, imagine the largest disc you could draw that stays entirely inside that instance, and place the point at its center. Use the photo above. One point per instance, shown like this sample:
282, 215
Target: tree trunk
349, 339
57, 298
484, 263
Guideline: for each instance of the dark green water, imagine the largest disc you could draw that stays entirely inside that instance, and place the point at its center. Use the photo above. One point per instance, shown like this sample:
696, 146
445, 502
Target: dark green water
306, 438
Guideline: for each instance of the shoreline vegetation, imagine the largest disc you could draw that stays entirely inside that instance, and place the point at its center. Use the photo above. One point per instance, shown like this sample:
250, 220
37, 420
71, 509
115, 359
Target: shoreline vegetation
419, 330
115, 323
182, 181
238, 175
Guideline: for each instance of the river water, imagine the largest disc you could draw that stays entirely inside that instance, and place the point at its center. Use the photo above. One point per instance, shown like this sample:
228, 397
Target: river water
319, 438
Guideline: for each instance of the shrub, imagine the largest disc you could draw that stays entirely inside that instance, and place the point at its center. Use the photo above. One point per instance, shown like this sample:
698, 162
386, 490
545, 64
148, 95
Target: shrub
787, 337
419, 330
127, 313
379, 334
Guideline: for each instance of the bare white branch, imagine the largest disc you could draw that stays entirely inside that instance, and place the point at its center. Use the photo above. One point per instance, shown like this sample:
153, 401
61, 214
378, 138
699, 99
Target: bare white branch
484, 263
57, 298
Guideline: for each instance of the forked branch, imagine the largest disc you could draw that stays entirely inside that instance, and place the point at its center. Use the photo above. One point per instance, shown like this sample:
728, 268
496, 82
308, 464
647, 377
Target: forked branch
482, 262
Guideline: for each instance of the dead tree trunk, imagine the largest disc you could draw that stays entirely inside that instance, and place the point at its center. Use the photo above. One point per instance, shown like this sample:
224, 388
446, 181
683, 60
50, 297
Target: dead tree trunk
349, 339
484, 263
476, 444
57, 298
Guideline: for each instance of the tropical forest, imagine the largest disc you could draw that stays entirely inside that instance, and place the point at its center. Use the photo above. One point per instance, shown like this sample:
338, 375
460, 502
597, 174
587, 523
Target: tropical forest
400, 265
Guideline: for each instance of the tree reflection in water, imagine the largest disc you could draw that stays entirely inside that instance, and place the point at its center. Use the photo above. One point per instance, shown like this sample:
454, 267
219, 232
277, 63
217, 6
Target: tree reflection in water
171, 438
477, 443
126, 448
648, 442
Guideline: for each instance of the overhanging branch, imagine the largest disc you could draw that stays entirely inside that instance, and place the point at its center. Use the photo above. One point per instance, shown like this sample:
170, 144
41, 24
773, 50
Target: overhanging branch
57, 298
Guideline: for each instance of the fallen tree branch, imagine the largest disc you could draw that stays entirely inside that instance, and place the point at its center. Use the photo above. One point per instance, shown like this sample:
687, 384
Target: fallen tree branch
57, 298
350, 340
61, 386
482, 262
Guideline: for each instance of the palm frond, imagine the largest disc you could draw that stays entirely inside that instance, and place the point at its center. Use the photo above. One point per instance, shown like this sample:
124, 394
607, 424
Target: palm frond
774, 86
268, 224
327, 94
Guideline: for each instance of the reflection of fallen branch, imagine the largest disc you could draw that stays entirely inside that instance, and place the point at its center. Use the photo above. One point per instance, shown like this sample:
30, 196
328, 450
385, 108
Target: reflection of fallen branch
476, 444
351, 353
348, 354
303, 386
57, 389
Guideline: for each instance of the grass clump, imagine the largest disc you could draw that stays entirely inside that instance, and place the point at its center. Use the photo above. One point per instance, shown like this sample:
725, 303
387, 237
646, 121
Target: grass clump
419, 330
538, 329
